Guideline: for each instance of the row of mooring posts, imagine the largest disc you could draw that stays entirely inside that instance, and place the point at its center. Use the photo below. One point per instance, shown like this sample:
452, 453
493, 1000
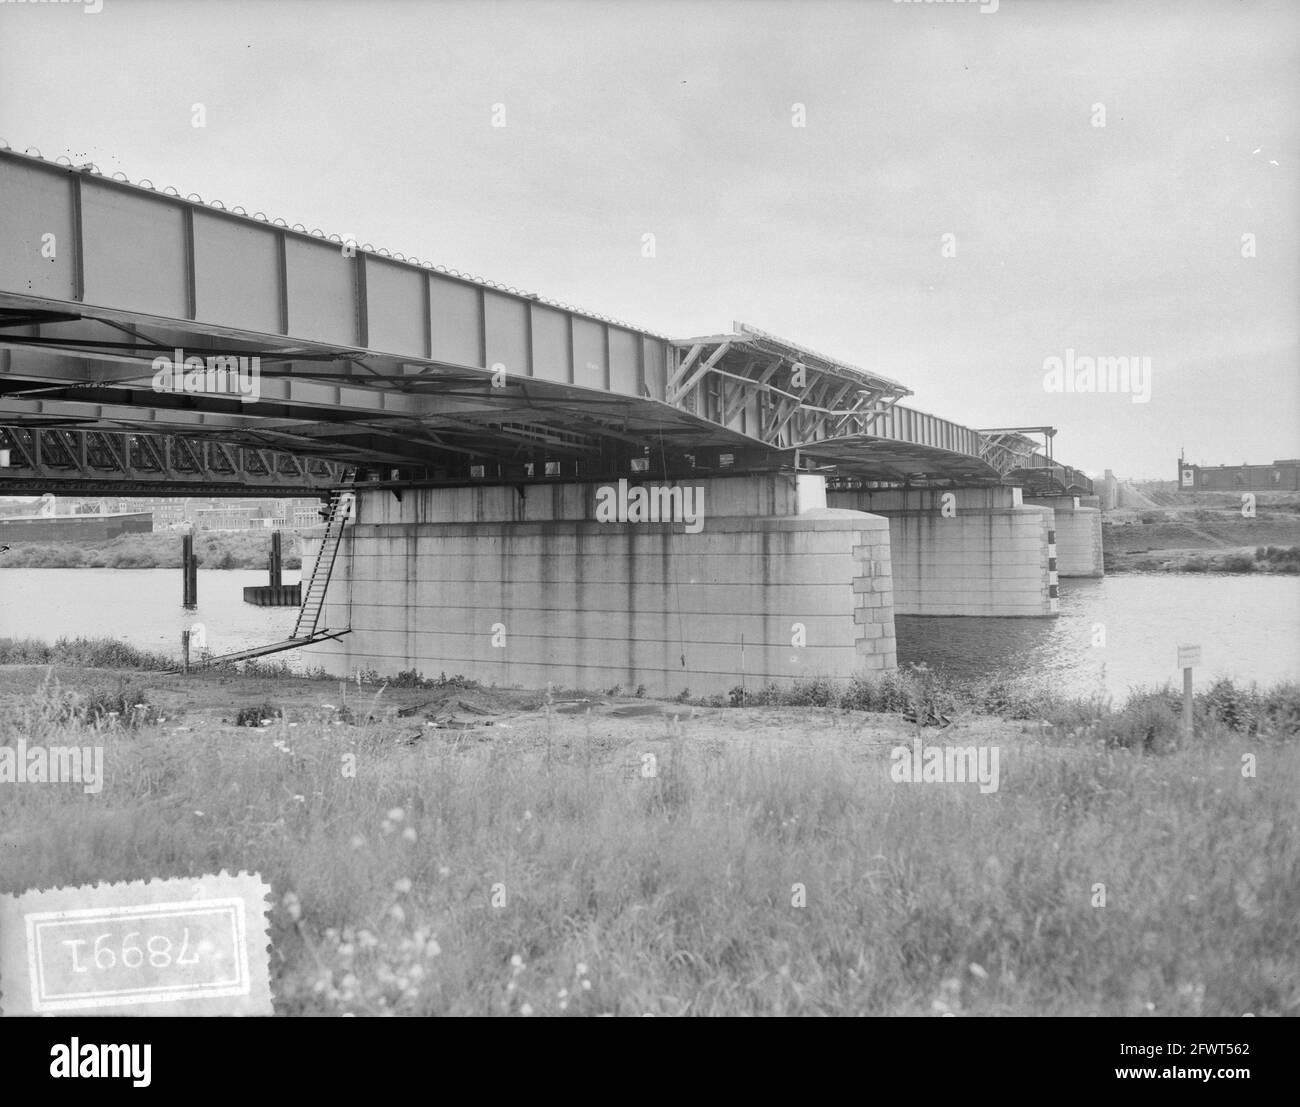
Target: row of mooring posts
276, 594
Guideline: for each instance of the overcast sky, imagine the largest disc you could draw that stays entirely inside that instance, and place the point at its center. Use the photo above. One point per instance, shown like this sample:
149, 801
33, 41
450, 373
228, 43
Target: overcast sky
677, 119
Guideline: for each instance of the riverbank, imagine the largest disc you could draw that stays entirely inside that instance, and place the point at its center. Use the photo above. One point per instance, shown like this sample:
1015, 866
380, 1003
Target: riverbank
1203, 533
448, 849
249, 549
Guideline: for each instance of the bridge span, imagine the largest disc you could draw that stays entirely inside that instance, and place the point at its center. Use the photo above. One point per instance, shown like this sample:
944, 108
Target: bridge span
159, 343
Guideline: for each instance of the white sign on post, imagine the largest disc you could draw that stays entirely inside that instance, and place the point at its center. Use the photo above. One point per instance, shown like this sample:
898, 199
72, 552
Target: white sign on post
1189, 656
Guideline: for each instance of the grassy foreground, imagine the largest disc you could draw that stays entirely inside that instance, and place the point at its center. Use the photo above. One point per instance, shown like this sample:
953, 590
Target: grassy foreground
684, 860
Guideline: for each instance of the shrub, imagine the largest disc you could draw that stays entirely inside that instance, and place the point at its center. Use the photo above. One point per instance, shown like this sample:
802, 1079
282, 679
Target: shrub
1148, 723
1278, 710
1234, 707
253, 714
815, 692
123, 705
887, 693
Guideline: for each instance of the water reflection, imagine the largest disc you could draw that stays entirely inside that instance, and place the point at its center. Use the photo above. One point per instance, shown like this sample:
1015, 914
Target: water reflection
1122, 632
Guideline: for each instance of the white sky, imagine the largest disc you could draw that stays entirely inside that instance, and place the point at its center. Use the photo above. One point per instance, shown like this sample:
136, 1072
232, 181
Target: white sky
674, 118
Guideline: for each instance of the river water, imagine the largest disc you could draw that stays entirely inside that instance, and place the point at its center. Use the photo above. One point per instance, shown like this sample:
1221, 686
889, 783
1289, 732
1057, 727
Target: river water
1248, 626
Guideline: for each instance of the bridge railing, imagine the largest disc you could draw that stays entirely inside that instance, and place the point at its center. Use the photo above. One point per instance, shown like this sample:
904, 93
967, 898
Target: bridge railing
906, 424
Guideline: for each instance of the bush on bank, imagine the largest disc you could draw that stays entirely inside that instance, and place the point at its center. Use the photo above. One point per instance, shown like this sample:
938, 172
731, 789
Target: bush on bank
86, 653
1151, 719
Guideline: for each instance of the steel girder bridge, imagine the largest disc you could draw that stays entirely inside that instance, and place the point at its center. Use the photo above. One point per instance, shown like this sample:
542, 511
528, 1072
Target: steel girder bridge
409, 372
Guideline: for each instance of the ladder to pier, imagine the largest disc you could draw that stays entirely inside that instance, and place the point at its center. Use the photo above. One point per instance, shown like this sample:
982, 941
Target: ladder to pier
313, 593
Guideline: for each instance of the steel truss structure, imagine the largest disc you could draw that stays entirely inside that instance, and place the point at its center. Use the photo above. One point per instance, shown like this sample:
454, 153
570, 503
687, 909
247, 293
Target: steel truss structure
63, 460
1021, 459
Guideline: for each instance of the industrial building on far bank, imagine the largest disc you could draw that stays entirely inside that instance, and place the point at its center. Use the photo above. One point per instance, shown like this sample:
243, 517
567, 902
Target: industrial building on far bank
1280, 476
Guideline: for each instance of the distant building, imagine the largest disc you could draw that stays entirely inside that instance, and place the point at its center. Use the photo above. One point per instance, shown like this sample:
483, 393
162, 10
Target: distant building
73, 528
1281, 476
171, 513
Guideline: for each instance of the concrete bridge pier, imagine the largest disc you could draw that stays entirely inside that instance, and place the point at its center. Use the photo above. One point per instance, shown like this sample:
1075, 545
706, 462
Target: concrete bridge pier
1078, 533
753, 579
965, 551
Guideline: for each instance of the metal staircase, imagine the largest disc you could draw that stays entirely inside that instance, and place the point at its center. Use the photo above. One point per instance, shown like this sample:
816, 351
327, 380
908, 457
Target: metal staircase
313, 595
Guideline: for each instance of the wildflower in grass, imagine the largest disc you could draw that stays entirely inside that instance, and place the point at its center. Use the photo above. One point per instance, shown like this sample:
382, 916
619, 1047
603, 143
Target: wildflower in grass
292, 906
386, 827
397, 914
431, 948
402, 886
409, 835
299, 799
396, 815
978, 971
517, 962
357, 841
444, 871
526, 1010
367, 940
346, 950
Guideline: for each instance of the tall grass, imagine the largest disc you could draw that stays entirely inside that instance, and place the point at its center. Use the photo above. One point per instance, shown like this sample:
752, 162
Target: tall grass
548, 873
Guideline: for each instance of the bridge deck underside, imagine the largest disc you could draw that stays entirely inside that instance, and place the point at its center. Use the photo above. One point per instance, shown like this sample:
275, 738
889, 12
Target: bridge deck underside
423, 418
